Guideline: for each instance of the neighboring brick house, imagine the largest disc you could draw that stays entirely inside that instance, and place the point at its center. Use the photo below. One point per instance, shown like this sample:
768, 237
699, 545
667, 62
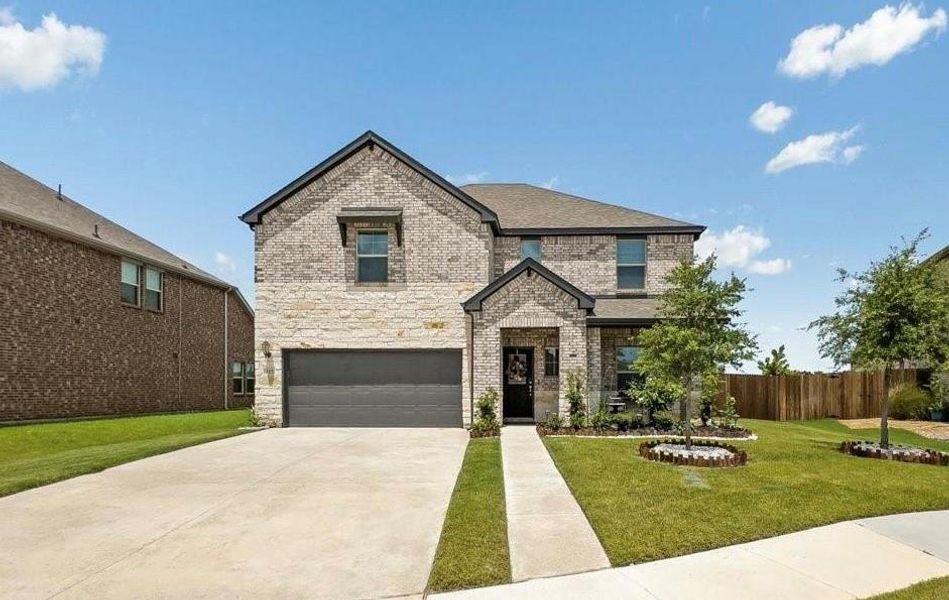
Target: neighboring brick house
95, 320
388, 296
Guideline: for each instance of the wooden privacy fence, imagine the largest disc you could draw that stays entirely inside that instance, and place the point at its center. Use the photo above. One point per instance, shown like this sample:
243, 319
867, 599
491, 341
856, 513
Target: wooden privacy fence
847, 395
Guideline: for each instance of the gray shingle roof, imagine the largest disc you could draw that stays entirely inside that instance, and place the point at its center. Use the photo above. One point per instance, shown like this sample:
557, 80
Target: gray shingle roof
523, 206
630, 309
29, 202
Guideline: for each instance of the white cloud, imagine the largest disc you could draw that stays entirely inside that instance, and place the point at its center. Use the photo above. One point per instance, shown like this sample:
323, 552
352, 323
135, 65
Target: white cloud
818, 148
32, 59
770, 117
551, 183
224, 262
467, 178
888, 32
738, 248
775, 266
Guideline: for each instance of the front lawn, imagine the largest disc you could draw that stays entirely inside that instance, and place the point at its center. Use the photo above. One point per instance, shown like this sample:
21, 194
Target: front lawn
473, 548
795, 479
35, 455
933, 589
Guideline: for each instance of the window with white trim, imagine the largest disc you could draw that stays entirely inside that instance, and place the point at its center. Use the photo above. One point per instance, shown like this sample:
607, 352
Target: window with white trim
131, 282
630, 264
372, 256
154, 282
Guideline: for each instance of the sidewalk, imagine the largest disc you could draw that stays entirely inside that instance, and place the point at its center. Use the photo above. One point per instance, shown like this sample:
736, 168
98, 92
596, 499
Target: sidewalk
854, 559
547, 532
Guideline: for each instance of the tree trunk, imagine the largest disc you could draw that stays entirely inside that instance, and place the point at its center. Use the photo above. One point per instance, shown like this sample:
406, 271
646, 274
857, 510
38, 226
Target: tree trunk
687, 421
885, 409
685, 398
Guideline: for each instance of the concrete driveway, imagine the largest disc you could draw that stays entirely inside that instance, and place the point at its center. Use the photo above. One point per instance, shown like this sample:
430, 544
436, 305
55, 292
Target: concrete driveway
284, 513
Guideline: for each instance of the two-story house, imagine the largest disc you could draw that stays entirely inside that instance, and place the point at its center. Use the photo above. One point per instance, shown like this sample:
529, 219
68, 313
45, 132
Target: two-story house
386, 296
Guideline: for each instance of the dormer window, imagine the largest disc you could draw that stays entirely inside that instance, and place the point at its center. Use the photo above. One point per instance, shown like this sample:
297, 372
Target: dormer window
530, 248
631, 264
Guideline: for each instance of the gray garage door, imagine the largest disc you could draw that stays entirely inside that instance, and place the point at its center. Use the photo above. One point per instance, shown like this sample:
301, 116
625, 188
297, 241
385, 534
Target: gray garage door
365, 388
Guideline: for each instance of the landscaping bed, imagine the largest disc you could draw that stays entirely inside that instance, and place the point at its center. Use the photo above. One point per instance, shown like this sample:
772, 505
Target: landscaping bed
911, 454
703, 431
701, 454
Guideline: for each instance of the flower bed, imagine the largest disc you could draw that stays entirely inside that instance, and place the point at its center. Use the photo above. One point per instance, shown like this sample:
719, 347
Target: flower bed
702, 454
705, 431
483, 432
910, 454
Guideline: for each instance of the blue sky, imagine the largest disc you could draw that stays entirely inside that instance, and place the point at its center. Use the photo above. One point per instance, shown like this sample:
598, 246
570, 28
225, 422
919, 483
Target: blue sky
173, 118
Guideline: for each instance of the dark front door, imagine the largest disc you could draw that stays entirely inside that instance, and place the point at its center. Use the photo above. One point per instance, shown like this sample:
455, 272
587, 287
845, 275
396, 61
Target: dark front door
518, 383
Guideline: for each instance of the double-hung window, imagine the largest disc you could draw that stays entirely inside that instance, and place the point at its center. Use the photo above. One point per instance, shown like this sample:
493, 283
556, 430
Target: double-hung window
249, 378
630, 264
237, 377
153, 289
372, 256
530, 248
626, 367
551, 362
131, 282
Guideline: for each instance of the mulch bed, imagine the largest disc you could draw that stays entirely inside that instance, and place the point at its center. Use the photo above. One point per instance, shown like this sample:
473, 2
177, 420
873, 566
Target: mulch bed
911, 454
702, 431
483, 433
733, 457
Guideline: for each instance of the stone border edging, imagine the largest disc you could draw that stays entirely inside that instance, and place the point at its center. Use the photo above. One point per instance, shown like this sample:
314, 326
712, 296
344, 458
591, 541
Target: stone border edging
737, 459
750, 438
928, 457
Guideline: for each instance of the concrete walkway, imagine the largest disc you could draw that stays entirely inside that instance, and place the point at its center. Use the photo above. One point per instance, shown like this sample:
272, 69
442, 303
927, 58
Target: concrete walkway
855, 559
547, 532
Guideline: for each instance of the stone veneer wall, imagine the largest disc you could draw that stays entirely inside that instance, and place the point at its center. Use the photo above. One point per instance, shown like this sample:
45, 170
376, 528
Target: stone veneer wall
306, 293
589, 261
528, 301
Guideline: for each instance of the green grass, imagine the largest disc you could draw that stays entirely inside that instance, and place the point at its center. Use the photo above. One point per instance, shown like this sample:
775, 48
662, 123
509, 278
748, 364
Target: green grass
795, 479
35, 455
473, 548
933, 589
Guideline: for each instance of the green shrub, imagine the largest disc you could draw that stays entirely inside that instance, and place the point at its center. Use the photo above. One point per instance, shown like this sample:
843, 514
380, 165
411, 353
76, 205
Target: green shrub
486, 412
664, 420
600, 419
910, 402
554, 421
576, 381
727, 415
626, 421
655, 394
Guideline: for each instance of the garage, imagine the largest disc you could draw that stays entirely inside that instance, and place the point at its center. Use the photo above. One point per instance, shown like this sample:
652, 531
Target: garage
373, 388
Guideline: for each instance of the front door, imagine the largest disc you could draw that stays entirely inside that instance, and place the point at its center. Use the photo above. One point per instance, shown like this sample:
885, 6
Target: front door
518, 384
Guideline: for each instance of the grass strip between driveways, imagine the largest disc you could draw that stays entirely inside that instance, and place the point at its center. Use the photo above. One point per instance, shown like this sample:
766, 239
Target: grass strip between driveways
472, 551
932, 589
795, 479
32, 455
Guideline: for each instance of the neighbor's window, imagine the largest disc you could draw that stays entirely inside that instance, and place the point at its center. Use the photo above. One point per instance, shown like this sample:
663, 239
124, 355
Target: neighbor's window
530, 248
372, 256
551, 362
131, 281
630, 264
153, 289
249, 378
626, 367
237, 377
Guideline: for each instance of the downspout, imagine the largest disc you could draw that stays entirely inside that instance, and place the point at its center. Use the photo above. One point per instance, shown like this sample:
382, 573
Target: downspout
470, 369
226, 365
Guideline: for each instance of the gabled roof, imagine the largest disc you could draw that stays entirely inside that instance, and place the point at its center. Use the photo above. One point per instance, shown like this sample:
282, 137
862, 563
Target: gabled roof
529, 264
939, 255
28, 202
525, 209
367, 139
625, 311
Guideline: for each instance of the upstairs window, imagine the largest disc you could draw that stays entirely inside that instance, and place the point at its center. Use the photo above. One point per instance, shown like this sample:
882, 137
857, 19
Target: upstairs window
530, 248
372, 256
630, 264
626, 371
153, 289
131, 282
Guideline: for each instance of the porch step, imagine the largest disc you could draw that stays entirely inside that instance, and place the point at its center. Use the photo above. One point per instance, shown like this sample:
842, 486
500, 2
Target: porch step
547, 532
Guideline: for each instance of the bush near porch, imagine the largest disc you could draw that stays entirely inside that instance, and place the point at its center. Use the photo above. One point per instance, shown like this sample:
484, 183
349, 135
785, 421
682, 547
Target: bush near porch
795, 479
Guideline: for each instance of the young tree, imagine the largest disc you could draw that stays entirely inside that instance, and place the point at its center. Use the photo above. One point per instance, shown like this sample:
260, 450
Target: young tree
895, 311
776, 364
699, 332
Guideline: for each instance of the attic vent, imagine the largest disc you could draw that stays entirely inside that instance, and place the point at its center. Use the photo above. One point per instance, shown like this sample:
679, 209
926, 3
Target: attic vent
95, 230
59, 191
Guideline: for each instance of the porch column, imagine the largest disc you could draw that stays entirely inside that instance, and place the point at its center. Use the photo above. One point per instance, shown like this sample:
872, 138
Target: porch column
486, 338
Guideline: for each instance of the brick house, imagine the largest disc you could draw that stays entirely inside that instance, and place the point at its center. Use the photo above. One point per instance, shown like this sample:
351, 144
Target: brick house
95, 320
388, 296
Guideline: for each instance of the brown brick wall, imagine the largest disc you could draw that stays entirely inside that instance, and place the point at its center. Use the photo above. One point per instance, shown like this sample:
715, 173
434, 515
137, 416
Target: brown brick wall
69, 348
